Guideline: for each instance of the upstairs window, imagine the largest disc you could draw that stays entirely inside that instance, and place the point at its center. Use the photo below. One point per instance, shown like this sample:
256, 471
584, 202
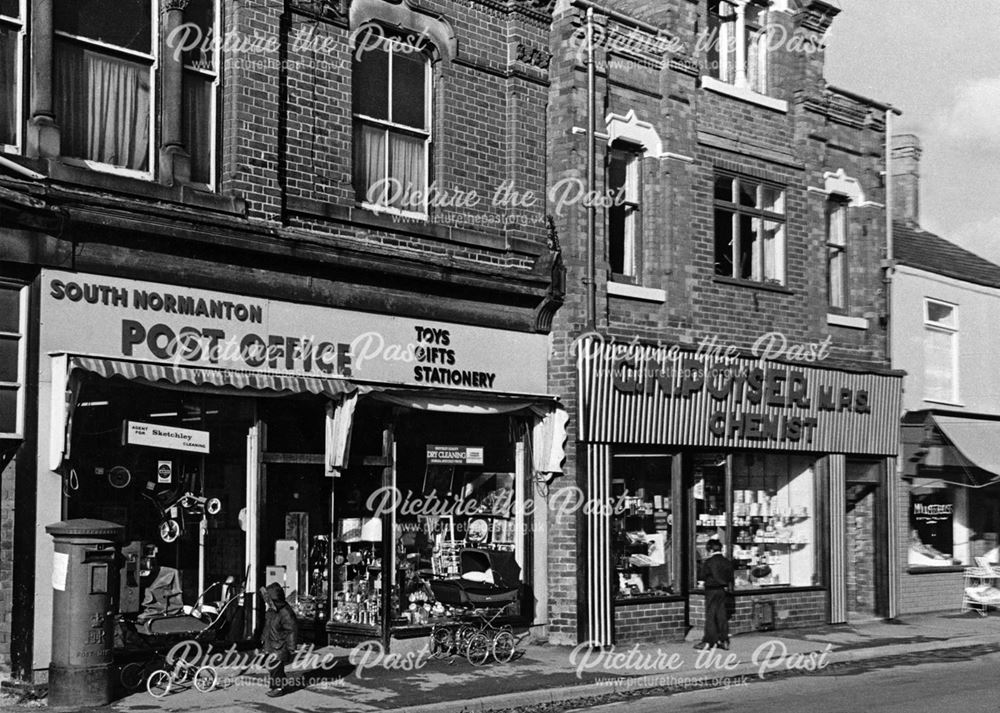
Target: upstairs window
836, 253
940, 351
749, 230
392, 124
737, 52
200, 91
13, 318
103, 57
624, 227
12, 13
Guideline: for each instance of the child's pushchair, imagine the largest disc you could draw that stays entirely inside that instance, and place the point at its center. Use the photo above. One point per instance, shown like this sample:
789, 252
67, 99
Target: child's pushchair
490, 581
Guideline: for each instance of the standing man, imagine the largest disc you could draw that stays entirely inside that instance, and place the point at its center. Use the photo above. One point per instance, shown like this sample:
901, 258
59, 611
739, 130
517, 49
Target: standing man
716, 571
281, 630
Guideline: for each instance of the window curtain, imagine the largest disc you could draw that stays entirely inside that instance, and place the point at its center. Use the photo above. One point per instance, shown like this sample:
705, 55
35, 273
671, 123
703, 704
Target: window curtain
369, 160
102, 106
197, 124
339, 424
8, 86
407, 156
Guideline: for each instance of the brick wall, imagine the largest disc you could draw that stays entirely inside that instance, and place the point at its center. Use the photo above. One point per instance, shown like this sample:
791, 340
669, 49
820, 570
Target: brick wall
662, 621
6, 562
791, 610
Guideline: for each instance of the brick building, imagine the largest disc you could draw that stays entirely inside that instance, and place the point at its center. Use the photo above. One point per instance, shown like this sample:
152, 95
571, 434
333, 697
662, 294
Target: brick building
743, 212
944, 302
165, 196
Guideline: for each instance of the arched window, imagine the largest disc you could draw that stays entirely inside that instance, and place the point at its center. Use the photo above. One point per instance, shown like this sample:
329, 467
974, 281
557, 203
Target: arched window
392, 122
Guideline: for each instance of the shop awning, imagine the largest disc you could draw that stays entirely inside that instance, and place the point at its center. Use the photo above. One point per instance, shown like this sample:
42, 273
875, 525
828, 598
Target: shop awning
182, 375
978, 440
67, 367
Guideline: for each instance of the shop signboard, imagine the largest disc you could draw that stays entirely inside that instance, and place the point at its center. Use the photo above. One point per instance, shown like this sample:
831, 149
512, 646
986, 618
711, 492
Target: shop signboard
155, 435
454, 455
170, 325
668, 396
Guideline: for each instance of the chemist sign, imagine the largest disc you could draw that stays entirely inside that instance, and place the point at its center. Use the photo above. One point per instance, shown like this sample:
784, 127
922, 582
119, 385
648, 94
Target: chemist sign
184, 327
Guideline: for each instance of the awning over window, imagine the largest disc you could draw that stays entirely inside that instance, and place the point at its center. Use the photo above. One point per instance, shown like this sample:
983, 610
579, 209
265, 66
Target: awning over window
955, 449
179, 375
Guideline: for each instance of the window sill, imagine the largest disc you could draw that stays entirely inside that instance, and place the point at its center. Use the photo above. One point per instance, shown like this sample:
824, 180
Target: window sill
719, 87
636, 292
753, 285
842, 320
652, 599
956, 404
776, 589
936, 570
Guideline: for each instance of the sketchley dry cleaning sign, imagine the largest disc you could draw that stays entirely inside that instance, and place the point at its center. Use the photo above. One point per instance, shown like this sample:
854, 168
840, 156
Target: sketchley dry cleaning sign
647, 394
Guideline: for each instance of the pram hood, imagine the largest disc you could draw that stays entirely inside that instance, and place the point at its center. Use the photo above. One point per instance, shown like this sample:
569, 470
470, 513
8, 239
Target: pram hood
506, 570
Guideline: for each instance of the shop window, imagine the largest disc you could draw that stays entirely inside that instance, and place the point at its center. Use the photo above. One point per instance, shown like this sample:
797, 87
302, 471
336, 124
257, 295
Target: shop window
200, 91
103, 59
940, 351
624, 225
13, 345
737, 51
772, 527
749, 230
836, 254
642, 527
392, 124
12, 27
939, 524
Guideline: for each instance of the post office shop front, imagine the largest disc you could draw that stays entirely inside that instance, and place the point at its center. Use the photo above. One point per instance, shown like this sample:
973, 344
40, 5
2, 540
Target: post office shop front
262, 441
785, 464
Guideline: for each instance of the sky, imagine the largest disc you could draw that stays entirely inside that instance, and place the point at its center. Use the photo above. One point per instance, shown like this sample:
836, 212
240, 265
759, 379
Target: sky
939, 63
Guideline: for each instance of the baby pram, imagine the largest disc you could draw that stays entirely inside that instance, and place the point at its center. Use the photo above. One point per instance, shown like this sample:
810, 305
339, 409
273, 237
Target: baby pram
490, 581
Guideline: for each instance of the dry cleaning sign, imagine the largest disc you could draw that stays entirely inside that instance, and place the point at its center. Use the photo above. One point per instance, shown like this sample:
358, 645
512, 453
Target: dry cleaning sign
157, 436
454, 455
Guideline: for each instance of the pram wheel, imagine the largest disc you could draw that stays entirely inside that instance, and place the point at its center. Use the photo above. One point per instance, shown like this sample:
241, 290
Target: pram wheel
477, 651
205, 679
442, 642
158, 684
503, 646
132, 676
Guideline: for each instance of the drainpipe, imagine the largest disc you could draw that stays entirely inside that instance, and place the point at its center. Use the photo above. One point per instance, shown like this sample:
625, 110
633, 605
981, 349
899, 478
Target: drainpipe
591, 179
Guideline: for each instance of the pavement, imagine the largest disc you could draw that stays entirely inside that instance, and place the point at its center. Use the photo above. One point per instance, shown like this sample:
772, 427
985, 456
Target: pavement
553, 677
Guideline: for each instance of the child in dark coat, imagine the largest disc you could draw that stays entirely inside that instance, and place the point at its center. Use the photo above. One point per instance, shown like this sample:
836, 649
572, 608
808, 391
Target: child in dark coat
717, 573
281, 630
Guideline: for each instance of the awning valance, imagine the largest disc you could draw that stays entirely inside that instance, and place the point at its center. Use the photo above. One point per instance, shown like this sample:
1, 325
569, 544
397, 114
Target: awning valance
955, 449
182, 375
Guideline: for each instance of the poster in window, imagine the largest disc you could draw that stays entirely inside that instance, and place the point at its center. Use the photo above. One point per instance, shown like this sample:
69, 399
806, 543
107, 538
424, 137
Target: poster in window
931, 526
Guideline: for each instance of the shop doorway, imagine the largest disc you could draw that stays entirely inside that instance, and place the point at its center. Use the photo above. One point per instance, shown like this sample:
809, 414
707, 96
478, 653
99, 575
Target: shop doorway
867, 567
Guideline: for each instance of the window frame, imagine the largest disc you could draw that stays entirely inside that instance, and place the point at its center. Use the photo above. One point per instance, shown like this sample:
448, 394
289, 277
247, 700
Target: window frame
22, 357
953, 332
762, 216
215, 75
121, 52
837, 204
390, 126
634, 157
20, 25
737, 33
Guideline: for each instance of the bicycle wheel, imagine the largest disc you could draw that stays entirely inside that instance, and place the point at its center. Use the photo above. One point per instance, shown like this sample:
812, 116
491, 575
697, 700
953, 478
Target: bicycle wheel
477, 651
158, 683
132, 676
442, 642
205, 679
503, 646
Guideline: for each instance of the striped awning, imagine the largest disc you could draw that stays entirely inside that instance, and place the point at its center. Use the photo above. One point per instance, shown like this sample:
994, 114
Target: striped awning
179, 375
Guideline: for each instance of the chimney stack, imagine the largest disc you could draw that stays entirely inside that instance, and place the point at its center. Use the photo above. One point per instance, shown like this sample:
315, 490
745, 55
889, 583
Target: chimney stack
906, 178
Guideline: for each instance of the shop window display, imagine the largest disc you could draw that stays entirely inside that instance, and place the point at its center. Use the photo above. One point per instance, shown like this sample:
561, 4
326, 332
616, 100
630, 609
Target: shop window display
642, 527
771, 527
939, 525
400, 527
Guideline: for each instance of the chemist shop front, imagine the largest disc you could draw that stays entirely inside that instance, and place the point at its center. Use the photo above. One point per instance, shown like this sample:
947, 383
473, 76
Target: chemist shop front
269, 441
786, 464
